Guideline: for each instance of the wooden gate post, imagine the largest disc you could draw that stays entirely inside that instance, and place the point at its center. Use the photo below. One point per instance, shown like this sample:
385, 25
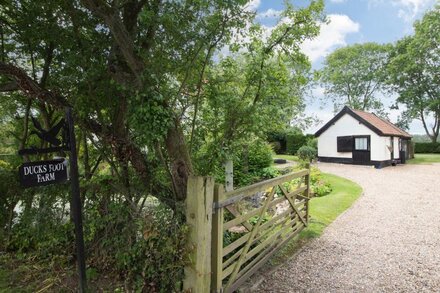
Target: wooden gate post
199, 200
307, 191
217, 242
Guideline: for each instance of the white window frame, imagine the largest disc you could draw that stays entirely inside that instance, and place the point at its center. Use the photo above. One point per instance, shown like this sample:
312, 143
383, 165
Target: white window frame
361, 144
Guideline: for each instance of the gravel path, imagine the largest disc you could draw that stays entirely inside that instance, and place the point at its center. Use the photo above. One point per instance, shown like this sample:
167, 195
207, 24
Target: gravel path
389, 241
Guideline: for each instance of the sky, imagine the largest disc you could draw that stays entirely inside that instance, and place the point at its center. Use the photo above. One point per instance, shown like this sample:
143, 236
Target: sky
351, 21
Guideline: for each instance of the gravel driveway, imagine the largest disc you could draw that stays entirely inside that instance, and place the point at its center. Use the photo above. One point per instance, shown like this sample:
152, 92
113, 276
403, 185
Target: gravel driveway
388, 241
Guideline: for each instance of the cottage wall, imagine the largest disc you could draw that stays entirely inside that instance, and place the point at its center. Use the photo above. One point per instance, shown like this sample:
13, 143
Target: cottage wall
396, 148
347, 125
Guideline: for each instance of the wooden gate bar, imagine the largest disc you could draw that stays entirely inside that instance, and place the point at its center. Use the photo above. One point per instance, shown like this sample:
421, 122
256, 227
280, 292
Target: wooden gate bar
237, 253
257, 265
267, 225
248, 191
253, 233
242, 218
292, 204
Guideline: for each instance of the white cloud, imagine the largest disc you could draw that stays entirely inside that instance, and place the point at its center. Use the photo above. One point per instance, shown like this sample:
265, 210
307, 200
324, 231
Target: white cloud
408, 10
337, 1
270, 13
331, 35
253, 5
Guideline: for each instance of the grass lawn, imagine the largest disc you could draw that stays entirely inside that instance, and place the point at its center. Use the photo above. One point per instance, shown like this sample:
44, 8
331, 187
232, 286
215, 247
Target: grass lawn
286, 157
425, 159
323, 211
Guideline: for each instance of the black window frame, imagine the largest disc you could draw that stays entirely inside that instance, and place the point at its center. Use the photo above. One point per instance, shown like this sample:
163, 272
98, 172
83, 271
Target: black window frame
344, 144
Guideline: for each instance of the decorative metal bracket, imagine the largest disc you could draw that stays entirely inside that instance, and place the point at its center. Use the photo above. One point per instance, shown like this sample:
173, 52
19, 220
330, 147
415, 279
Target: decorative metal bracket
49, 136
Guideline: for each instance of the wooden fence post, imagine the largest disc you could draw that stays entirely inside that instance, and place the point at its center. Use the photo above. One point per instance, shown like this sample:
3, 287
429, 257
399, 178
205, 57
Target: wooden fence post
199, 219
307, 191
217, 242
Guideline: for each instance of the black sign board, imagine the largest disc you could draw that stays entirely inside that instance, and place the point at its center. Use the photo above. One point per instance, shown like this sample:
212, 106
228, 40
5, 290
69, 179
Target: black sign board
43, 173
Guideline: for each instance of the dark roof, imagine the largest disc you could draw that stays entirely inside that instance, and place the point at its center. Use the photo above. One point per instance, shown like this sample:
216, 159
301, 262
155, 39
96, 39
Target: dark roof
379, 125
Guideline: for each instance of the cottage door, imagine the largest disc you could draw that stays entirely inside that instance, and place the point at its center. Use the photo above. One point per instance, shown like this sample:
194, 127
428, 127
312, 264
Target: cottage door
361, 150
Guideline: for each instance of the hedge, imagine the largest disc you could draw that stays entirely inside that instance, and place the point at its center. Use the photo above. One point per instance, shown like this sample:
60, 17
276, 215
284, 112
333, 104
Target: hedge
294, 141
427, 147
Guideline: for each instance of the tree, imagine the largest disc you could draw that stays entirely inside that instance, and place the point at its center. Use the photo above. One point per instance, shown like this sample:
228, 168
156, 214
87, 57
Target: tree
134, 71
414, 73
353, 76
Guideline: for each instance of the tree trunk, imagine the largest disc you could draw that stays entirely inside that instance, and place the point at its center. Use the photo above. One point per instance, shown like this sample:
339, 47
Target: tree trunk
181, 166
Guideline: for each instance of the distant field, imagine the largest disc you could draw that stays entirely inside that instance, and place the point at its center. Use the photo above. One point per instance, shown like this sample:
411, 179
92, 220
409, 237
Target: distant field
425, 159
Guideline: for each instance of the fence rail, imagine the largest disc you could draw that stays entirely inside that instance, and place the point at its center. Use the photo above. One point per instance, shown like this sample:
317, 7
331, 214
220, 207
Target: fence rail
232, 234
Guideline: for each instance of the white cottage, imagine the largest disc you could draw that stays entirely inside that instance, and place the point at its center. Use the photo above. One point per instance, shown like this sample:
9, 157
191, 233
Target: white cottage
357, 137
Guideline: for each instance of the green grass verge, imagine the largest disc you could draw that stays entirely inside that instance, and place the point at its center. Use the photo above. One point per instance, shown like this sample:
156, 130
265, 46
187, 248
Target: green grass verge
323, 211
425, 159
286, 157
28, 274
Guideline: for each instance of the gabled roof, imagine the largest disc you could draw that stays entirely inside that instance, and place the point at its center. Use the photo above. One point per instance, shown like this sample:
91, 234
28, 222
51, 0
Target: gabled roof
379, 125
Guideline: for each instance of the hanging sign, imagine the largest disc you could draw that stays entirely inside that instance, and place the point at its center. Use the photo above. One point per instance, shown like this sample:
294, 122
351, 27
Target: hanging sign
55, 171
43, 173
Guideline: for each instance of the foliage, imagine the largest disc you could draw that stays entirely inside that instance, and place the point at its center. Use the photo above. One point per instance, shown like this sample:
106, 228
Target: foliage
294, 140
353, 76
307, 153
427, 147
319, 185
321, 188
313, 142
259, 156
251, 163
413, 72
277, 147
288, 141
268, 173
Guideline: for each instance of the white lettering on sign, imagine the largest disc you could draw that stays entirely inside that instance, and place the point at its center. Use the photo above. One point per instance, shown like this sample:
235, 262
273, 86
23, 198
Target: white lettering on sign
38, 169
46, 177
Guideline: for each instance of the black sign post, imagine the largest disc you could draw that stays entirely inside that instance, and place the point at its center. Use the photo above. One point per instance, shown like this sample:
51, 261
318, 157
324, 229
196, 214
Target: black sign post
76, 203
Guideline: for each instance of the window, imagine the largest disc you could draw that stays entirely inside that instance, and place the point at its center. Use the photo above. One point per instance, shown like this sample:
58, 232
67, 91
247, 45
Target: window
345, 143
361, 144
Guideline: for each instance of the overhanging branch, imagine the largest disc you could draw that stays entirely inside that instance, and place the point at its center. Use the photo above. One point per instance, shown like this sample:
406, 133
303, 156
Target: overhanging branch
30, 88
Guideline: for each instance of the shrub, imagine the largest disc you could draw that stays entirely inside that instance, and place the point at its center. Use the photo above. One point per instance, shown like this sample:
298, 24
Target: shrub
269, 172
427, 147
312, 142
276, 146
259, 156
148, 251
307, 153
321, 188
